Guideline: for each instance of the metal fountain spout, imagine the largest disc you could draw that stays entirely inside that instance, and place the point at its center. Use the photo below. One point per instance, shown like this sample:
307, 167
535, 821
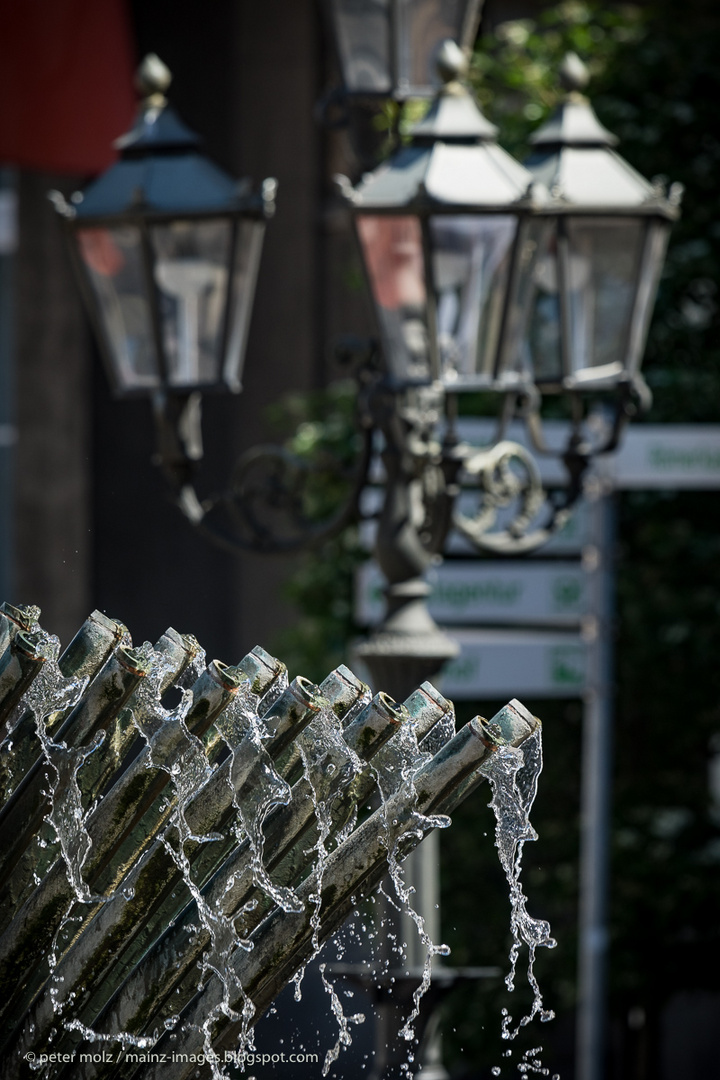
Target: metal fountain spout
167, 869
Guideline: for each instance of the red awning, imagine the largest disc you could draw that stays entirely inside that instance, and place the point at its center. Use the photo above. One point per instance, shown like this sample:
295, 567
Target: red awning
66, 83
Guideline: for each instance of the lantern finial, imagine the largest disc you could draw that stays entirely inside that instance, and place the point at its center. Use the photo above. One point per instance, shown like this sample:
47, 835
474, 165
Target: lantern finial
574, 75
451, 62
153, 79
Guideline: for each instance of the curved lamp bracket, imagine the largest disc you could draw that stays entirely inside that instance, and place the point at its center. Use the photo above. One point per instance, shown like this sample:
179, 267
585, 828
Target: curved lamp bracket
279, 502
632, 397
515, 514
275, 501
510, 494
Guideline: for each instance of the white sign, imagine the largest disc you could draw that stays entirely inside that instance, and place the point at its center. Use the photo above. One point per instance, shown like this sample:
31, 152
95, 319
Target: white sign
667, 456
515, 663
658, 456
482, 592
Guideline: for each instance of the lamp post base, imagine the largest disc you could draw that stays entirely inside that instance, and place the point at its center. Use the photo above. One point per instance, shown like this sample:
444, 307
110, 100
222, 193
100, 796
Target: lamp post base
408, 647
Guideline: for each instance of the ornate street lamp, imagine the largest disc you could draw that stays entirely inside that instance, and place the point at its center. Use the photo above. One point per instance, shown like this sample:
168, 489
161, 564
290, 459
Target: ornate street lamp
389, 48
445, 228
167, 249
449, 230
485, 275
488, 275
481, 280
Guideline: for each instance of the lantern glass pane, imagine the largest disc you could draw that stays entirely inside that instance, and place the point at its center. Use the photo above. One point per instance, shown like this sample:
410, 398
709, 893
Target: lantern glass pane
247, 262
422, 27
362, 31
191, 274
113, 261
602, 267
652, 263
393, 252
542, 347
532, 244
470, 268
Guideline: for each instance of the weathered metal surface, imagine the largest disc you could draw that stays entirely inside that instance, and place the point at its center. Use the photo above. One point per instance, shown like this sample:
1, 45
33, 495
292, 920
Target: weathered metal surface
92, 968
86, 653
119, 830
160, 969
286, 940
20, 663
290, 836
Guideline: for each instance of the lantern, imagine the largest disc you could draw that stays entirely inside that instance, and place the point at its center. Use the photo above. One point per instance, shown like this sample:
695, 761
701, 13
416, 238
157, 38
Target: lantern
448, 238
602, 243
167, 248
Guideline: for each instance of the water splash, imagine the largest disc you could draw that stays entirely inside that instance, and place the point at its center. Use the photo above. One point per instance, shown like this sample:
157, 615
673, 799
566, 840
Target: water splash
344, 1037
440, 734
52, 692
422, 824
513, 774
253, 801
329, 765
237, 743
393, 775
148, 713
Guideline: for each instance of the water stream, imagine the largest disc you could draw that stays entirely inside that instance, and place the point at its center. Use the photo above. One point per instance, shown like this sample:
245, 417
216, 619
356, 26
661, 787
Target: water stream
513, 774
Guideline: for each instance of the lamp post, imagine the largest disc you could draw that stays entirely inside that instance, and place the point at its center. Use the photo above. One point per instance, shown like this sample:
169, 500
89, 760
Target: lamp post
166, 248
485, 275
463, 247
445, 231
481, 281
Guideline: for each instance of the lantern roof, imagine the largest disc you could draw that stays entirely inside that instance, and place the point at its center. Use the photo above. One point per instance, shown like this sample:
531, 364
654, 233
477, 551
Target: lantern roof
453, 161
573, 157
161, 170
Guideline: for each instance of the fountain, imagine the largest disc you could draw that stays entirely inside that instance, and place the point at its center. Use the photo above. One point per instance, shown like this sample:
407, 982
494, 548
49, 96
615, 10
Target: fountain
169, 867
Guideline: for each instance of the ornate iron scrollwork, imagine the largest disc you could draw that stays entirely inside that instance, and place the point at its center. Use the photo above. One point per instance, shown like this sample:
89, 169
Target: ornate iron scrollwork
507, 480
276, 501
280, 501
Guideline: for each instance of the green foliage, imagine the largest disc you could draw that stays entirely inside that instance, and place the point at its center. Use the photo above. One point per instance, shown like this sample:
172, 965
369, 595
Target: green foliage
324, 434
514, 70
667, 845
655, 84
